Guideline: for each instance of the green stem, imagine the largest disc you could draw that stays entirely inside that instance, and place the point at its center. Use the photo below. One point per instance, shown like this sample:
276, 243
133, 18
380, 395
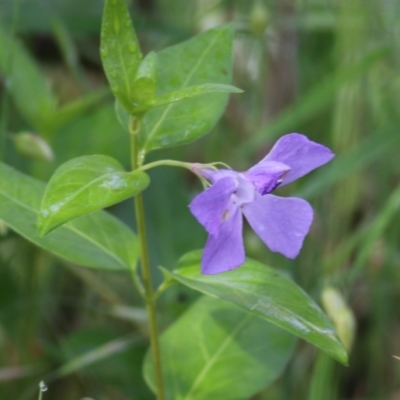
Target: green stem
169, 163
181, 164
149, 297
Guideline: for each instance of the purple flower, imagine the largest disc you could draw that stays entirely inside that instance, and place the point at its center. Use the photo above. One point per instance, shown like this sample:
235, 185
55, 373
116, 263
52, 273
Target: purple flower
281, 223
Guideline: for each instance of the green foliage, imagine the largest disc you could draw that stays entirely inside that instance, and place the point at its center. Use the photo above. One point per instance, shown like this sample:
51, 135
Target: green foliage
215, 350
27, 84
265, 293
32, 92
201, 60
120, 51
86, 184
198, 67
145, 85
97, 240
332, 74
185, 94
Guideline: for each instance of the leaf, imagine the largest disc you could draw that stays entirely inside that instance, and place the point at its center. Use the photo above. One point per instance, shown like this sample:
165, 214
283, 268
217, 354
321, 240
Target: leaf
120, 51
70, 142
145, 84
185, 94
123, 116
92, 357
97, 240
217, 351
203, 59
86, 184
268, 295
28, 87
101, 354
75, 109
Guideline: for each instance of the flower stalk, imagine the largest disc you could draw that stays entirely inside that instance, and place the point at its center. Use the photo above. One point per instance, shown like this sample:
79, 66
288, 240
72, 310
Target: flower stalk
148, 294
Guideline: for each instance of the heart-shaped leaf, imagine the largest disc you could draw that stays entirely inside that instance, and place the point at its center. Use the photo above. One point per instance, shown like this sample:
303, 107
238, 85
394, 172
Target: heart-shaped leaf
205, 59
120, 51
217, 351
268, 295
86, 184
97, 240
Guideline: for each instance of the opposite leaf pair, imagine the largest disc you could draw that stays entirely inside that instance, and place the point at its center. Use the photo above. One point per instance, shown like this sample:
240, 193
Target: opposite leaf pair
134, 79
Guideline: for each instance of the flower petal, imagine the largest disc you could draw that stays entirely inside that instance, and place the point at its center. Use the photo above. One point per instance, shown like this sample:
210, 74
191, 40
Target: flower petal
299, 153
267, 175
224, 251
213, 175
210, 206
281, 223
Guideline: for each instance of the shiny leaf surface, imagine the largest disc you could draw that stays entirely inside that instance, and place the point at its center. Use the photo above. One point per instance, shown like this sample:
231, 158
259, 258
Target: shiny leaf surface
268, 295
185, 94
86, 184
120, 51
218, 351
122, 115
145, 84
97, 240
205, 59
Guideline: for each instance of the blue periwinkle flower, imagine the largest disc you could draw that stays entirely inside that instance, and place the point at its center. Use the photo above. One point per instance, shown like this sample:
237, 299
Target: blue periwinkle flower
281, 223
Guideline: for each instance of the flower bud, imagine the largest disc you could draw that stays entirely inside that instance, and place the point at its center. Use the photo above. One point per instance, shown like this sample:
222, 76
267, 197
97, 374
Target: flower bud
340, 314
33, 146
259, 18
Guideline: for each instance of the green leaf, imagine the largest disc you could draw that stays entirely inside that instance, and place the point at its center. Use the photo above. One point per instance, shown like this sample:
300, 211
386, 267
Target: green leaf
123, 116
185, 94
97, 240
266, 294
207, 58
86, 184
75, 109
28, 87
145, 84
217, 351
120, 51
91, 357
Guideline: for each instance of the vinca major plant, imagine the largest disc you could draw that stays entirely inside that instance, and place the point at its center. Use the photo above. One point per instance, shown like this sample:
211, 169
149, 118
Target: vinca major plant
240, 335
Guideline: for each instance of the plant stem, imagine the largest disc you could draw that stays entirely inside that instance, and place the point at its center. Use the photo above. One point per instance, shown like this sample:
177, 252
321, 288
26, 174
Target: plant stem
149, 297
169, 163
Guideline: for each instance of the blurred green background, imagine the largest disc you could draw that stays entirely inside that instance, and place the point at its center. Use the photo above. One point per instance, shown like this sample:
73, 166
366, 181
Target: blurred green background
327, 68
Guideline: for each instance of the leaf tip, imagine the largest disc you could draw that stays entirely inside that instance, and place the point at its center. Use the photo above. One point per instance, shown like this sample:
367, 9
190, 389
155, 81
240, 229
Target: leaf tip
343, 357
42, 224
